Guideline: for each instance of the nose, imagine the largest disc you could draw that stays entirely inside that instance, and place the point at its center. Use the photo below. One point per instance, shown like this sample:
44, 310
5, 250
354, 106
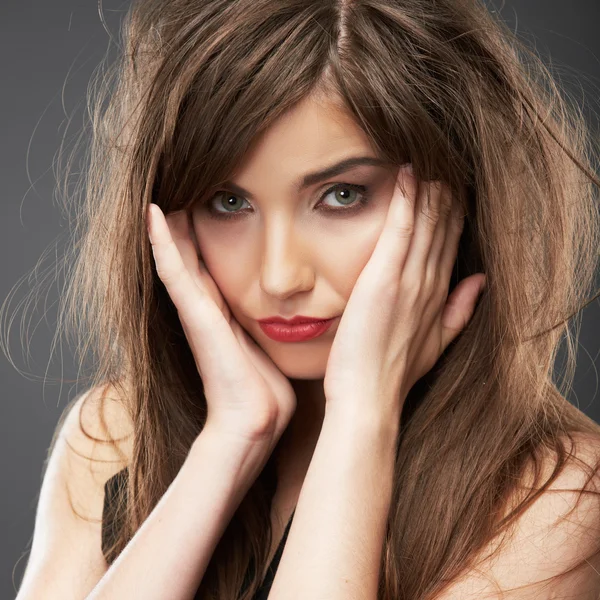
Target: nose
286, 261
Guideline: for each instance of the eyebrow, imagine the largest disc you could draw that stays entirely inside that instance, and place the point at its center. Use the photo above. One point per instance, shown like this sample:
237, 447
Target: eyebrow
318, 176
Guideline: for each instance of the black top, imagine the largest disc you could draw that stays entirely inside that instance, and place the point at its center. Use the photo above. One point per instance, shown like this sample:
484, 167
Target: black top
111, 522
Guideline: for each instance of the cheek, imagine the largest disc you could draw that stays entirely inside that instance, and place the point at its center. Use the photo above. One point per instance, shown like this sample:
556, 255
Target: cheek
223, 266
339, 250
348, 251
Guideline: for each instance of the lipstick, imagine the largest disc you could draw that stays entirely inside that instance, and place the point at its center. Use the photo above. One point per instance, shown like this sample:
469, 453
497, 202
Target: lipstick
281, 332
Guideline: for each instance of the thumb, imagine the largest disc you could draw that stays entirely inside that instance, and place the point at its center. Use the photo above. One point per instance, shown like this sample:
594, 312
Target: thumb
460, 306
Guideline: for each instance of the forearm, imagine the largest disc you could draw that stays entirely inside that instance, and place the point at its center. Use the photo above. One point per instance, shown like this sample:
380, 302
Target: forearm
168, 555
335, 542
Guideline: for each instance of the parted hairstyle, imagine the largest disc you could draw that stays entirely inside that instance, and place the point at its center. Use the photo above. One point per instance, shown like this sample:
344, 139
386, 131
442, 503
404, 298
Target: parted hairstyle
445, 85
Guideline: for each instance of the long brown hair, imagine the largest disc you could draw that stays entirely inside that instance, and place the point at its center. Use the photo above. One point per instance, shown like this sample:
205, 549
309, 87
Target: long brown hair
445, 85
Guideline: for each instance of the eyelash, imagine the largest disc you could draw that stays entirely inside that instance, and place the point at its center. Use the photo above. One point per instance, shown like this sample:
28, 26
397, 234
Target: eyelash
354, 208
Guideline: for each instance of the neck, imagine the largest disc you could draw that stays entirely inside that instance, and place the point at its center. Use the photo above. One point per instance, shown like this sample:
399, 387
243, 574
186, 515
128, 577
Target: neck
298, 441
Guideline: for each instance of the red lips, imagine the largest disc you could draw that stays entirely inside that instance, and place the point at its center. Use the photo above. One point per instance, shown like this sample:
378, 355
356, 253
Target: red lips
297, 320
282, 332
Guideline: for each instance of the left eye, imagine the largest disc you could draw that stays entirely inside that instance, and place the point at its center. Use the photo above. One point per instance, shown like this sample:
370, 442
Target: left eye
343, 193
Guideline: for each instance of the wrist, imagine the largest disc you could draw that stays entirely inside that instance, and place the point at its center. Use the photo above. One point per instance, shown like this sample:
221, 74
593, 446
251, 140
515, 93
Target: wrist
236, 456
366, 416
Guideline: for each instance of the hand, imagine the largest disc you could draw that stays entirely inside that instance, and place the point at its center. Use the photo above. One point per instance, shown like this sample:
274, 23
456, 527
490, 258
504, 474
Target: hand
399, 318
246, 394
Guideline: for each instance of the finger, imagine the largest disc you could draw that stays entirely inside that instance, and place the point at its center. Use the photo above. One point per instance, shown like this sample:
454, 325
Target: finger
194, 238
460, 307
181, 232
437, 246
427, 217
393, 243
183, 291
455, 226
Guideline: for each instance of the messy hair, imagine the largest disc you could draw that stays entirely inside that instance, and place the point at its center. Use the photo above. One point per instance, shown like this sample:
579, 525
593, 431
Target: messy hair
445, 85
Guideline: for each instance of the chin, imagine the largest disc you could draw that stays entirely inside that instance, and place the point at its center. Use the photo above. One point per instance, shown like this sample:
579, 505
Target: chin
306, 374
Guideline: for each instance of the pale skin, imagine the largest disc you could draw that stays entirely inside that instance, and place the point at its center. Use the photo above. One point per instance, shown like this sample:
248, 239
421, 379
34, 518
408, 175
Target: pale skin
299, 261
296, 260
336, 453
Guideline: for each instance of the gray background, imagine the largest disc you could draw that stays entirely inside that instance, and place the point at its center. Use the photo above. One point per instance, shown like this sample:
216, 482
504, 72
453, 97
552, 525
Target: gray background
48, 51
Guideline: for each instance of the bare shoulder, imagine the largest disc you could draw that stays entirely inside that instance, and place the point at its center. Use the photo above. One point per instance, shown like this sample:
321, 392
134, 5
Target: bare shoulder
92, 442
559, 530
100, 422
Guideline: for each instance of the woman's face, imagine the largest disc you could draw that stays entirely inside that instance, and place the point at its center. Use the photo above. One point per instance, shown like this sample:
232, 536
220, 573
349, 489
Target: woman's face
288, 250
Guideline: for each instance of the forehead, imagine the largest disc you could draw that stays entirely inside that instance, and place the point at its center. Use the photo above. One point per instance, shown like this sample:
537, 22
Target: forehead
312, 133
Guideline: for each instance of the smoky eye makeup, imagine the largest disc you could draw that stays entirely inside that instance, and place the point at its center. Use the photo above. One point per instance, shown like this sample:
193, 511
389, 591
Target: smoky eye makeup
340, 199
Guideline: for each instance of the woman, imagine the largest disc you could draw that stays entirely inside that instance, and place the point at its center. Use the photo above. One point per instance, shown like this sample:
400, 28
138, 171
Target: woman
404, 170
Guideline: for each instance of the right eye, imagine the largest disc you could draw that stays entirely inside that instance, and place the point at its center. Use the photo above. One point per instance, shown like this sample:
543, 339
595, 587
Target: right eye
224, 199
